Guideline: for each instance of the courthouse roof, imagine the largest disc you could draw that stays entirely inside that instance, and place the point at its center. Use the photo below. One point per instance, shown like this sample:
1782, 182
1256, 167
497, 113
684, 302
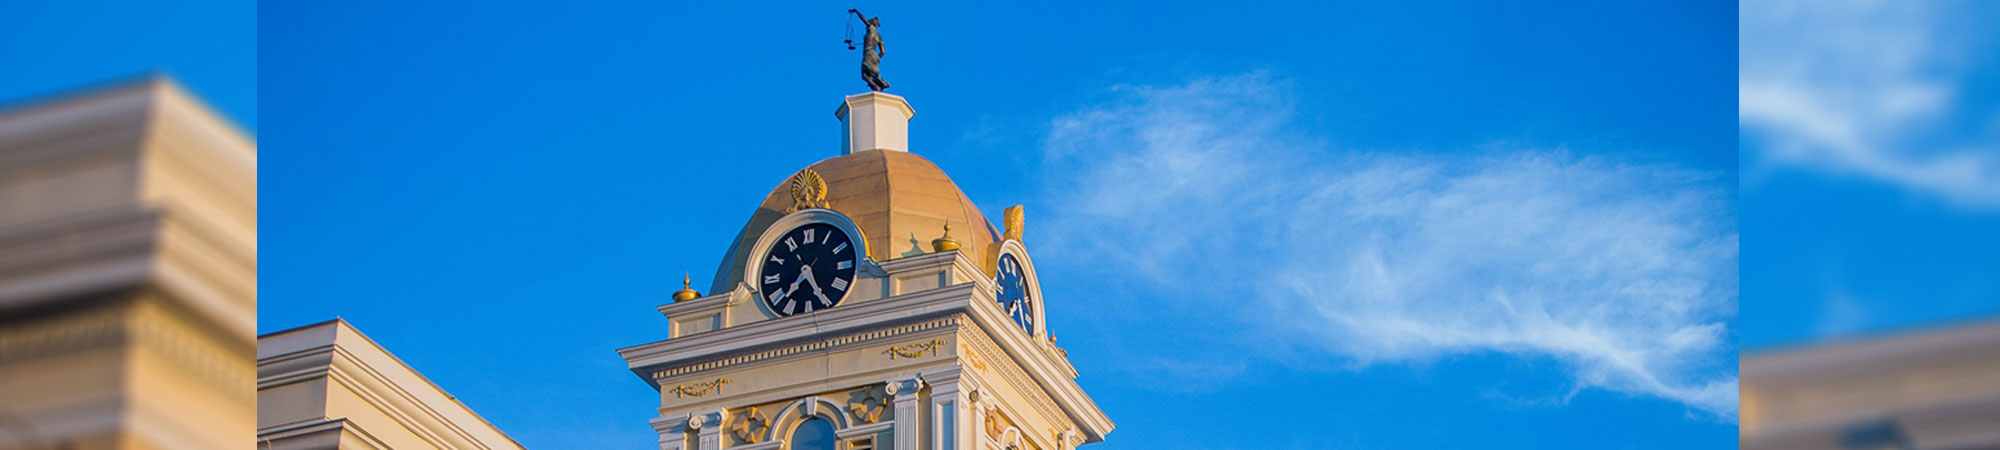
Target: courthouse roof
900, 200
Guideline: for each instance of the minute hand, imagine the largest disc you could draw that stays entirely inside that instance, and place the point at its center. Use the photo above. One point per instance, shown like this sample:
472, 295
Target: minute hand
806, 274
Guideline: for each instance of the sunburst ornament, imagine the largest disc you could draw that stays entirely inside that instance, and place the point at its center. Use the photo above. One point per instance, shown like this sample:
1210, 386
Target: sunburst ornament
808, 191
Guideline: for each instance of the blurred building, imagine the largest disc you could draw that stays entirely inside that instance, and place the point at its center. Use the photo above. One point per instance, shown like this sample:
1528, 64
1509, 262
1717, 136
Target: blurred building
868, 304
128, 273
327, 386
1931, 390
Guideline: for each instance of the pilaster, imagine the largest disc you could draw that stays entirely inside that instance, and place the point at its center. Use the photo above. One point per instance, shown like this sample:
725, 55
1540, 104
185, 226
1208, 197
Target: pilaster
672, 430
951, 410
708, 428
909, 420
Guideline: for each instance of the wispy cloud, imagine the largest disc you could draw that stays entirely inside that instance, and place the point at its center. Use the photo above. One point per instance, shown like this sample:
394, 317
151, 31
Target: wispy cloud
1864, 88
1624, 272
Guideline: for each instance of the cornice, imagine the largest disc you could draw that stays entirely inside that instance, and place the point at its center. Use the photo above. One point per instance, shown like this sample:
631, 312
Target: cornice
399, 404
60, 258
1056, 377
740, 340
336, 363
983, 346
815, 345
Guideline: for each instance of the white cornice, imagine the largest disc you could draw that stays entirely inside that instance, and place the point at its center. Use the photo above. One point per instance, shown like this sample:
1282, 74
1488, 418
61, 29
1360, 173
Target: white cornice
339, 353
743, 338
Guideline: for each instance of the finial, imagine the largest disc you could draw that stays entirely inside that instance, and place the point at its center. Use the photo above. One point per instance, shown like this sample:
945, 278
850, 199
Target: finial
687, 289
944, 243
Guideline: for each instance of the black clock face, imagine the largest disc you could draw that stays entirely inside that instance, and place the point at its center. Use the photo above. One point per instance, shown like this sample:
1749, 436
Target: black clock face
808, 269
1013, 293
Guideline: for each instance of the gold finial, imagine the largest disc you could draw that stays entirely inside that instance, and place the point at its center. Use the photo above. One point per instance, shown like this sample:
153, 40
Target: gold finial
808, 190
1014, 219
687, 289
944, 243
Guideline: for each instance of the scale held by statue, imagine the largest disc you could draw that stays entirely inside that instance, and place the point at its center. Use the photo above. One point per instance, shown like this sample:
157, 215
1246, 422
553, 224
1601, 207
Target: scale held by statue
871, 49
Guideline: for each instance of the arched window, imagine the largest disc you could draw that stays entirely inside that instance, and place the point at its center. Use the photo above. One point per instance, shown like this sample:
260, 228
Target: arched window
814, 434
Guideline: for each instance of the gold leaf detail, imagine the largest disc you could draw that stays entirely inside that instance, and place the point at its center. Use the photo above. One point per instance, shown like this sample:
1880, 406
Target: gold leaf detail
699, 389
808, 190
916, 350
1015, 220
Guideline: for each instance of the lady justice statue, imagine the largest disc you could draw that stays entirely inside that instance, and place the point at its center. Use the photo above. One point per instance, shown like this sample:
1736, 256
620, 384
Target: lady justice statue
871, 52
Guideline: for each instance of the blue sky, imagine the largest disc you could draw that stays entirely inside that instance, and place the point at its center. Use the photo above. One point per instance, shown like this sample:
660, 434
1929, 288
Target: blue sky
50, 48
502, 194
1871, 168
1340, 225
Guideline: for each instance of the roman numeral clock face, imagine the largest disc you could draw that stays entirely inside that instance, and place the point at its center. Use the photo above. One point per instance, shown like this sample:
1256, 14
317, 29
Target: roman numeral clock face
808, 269
1013, 295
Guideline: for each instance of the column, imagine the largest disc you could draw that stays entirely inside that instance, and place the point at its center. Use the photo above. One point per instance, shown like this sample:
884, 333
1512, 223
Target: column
908, 425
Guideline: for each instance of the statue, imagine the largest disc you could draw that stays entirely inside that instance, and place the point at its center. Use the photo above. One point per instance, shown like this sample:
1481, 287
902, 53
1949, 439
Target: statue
871, 52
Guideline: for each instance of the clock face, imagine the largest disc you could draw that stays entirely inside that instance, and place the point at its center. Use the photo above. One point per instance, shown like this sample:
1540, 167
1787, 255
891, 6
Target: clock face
1013, 293
808, 269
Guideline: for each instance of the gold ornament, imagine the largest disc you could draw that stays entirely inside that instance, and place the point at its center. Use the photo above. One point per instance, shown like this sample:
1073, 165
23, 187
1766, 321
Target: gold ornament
687, 290
914, 350
749, 427
944, 243
699, 389
993, 429
808, 191
868, 405
1014, 218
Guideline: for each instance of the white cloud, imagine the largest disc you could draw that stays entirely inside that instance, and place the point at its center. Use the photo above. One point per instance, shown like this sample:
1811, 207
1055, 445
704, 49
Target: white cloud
1863, 88
1623, 272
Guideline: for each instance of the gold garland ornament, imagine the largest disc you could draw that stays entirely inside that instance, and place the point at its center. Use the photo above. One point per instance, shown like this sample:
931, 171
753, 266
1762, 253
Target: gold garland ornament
916, 350
699, 389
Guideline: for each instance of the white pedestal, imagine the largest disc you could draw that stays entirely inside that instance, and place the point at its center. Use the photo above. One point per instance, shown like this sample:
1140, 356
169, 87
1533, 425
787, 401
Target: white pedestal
874, 121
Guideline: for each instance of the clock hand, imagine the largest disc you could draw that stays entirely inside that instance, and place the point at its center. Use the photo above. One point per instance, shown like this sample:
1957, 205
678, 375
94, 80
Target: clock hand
817, 291
807, 274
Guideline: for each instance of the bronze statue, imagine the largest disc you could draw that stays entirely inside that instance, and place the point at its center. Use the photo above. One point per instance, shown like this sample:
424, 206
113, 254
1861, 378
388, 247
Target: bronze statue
871, 52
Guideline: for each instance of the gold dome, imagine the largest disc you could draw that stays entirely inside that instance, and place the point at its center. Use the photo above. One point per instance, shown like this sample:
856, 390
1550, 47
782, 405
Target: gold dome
900, 201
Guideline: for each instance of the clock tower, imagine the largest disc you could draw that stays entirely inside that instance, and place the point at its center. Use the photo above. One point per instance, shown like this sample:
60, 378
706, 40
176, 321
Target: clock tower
867, 305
